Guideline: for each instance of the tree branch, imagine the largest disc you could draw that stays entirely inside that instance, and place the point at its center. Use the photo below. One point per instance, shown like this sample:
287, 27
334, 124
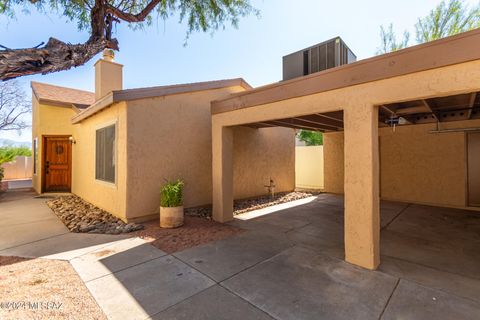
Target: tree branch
129, 17
54, 56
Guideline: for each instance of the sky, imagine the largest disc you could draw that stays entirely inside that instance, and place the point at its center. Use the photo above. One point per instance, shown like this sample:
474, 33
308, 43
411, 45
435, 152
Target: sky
157, 55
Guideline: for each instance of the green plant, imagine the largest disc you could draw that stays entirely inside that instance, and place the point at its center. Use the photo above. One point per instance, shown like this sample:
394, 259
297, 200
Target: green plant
1, 174
8, 154
171, 194
311, 138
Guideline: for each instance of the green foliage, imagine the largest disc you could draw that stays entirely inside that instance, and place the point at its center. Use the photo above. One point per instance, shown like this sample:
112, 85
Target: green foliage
389, 42
199, 15
8, 154
311, 138
1, 174
171, 194
446, 19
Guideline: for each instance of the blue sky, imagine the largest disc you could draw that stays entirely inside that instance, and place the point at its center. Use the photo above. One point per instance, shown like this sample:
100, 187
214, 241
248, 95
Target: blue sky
156, 56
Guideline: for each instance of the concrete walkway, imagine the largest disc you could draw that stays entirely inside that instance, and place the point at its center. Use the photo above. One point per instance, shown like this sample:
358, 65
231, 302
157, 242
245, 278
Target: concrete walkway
287, 265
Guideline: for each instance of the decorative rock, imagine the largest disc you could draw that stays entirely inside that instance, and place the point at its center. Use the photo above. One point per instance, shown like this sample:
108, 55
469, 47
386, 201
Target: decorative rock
242, 206
81, 216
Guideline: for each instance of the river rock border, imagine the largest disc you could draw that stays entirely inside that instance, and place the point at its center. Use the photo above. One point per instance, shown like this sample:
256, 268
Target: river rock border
81, 216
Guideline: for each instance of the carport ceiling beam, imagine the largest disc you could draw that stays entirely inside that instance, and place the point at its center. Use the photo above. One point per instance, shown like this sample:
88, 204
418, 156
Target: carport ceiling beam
473, 96
425, 103
297, 126
329, 117
312, 119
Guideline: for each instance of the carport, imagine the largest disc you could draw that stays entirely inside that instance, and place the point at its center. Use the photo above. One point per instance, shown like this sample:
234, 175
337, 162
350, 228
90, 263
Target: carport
432, 86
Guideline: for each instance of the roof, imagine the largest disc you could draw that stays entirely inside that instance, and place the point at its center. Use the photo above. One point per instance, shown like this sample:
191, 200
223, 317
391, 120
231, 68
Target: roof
62, 96
142, 93
456, 49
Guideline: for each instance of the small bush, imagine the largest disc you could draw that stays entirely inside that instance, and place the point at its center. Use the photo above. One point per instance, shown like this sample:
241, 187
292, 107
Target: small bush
1, 174
171, 194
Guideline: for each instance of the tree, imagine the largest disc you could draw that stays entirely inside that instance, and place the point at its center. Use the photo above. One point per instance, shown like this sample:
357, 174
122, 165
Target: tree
98, 18
311, 138
13, 104
447, 20
443, 21
8, 154
389, 41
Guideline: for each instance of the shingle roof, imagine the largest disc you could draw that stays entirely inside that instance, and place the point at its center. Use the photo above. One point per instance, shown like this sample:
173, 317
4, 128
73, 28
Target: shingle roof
61, 95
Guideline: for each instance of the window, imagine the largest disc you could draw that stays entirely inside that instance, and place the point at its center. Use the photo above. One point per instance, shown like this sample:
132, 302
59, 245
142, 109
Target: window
35, 152
105, 154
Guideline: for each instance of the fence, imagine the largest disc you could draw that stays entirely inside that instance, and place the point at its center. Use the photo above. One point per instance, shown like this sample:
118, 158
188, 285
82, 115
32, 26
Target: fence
20, 168
309, 167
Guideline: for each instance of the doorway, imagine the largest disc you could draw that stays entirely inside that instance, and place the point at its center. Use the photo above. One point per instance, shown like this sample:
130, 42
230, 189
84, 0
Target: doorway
57, 169
473, 163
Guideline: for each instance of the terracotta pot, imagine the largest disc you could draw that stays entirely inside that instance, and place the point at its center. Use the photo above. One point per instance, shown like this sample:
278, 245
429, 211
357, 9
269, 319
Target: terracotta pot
171, 217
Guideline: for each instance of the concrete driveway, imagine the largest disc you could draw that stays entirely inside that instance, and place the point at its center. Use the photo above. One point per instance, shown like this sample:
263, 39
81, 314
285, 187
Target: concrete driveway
287, 265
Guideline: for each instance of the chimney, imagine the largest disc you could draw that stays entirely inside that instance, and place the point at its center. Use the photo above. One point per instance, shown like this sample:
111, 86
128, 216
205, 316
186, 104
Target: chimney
108, 75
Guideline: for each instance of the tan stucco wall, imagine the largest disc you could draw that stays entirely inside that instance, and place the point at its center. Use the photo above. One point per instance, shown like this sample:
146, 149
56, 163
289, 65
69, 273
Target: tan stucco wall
309, 167
48, 120
415, 166
108, 196
170, 137
261, 154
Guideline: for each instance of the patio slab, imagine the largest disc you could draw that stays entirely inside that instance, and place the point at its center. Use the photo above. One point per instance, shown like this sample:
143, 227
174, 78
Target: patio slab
412, 301
459, 285
63, 247
302, 284
147, 289
222, 259
214, 303
114, 257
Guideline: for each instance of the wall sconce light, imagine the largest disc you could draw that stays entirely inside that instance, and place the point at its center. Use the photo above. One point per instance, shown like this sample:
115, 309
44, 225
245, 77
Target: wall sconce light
72, 141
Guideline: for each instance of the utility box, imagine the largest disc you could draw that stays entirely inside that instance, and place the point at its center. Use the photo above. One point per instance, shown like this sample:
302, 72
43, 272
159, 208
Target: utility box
323, 56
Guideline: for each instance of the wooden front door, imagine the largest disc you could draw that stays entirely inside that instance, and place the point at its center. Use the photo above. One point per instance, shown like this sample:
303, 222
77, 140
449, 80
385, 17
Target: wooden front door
57, 169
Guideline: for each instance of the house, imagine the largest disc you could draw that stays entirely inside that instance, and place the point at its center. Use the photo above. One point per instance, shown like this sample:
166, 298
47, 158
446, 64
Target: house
403, 126
116, 147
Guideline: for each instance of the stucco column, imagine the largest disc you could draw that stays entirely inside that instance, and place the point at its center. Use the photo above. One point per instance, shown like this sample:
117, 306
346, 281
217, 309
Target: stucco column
222, 173
362, 216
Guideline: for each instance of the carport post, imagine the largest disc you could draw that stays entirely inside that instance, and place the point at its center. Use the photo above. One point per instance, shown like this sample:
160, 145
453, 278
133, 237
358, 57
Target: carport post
362, 216
222, 172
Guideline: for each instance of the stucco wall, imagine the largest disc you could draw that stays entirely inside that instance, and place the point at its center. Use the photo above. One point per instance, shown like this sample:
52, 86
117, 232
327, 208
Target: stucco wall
108, 196
309, 167
48, 120
261, 154
415, 166
170, 137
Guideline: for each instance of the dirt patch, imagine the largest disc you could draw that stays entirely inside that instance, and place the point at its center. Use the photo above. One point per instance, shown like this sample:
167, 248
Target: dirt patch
194, 232
43, 289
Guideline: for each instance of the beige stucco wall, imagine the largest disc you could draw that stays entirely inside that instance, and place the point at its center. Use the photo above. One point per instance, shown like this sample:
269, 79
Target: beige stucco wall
260, 155
415, 166
20, 168
309, 167
108, 196
170, 137
48, 120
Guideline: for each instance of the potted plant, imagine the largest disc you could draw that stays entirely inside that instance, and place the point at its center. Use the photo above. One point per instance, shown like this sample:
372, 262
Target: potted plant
171, 204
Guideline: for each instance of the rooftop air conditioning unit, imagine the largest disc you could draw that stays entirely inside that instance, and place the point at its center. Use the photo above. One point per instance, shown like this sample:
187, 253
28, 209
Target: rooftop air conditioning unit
323, 56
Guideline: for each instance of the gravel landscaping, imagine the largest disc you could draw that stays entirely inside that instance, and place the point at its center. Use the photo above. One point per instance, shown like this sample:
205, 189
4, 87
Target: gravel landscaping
81, 216
246, 205
43, 289
195, 231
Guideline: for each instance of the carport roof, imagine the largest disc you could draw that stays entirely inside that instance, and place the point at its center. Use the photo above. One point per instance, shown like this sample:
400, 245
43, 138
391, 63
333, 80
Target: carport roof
436, 54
